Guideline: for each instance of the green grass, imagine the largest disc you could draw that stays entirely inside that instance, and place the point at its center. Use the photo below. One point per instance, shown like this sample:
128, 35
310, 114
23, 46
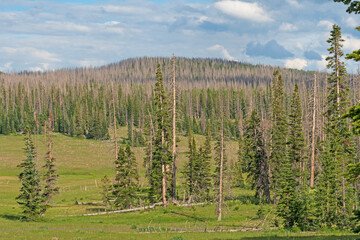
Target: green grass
82, 163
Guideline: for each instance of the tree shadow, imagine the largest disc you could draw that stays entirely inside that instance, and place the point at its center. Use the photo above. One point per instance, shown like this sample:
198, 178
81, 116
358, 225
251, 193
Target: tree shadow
10, 217
200, 219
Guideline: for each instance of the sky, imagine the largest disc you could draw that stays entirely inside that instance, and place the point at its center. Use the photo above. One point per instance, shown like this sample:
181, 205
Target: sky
38, 35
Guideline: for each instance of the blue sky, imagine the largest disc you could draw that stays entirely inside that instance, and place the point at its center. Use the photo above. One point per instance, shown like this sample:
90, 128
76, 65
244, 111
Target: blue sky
47, 35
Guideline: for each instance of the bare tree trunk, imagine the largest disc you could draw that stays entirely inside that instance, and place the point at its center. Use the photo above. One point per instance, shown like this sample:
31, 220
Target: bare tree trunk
163, 167
312, 171
115, 130
174, 129
221, 168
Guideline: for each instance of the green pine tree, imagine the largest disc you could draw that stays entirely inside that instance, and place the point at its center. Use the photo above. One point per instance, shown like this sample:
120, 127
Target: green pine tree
256, 158
50, 176
161, 174
204, 162
279, 131
126, 179
338, 150
30, 192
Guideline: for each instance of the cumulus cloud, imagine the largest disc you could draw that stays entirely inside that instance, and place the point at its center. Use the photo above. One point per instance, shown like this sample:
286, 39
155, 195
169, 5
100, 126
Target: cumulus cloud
91, 62
325, 23
243, 10
351, 43
321, 65
111, 23
296, 63
270, 49
34, 53
312, 55
126, 9
294, 3
287, 27
36, 69
351, 22
223, 51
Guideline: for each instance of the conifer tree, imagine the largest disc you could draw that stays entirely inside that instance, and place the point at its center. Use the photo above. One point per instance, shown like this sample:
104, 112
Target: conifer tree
296, 140
287, 206
279, 131
204, 160
255, 156
239, 178
30, 192
126, 179
50, 176
191, 171
338, 151
161, 181
106, 190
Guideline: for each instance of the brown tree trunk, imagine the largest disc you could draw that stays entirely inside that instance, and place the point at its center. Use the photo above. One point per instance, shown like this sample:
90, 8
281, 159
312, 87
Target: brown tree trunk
221, 168
312, 171
115, 130
174, 129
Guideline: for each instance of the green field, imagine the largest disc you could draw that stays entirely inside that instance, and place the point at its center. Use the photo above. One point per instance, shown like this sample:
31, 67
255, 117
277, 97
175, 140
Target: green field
82, 163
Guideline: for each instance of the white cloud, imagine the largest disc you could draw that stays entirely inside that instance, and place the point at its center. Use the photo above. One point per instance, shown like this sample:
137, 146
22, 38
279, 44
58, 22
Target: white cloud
36, 69
8, 65
294, 3
224, 52
296, 63
90, 62
287, 27
326, 23
202, 19
351, 43
351, 22
125, 9
30, 52
321, 65
111, 23
243, 10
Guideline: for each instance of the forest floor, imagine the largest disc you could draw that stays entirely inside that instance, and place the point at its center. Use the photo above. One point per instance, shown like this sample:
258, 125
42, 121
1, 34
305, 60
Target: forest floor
83, 163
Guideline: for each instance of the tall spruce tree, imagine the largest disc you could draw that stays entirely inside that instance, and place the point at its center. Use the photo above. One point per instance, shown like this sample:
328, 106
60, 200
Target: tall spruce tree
160, 179
204, 159
296, 140
256, 158
191, 169
338, 150
287, 206
50, 176
126, 179
279, 131
30, 191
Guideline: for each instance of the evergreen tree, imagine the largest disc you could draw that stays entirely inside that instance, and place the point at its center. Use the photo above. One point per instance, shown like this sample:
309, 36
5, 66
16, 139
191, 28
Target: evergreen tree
50, 176
204, 162
191, 169
30, 192
338, 149
296, 140
106, 190
238, 168
287, 206
160, 181
279, 131
126, 179
255, 156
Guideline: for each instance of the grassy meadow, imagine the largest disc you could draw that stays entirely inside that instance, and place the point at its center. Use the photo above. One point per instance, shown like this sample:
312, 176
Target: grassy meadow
82, 163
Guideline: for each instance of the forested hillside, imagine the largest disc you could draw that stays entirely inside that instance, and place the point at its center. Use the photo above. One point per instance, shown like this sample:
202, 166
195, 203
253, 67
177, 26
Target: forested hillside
280, 117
